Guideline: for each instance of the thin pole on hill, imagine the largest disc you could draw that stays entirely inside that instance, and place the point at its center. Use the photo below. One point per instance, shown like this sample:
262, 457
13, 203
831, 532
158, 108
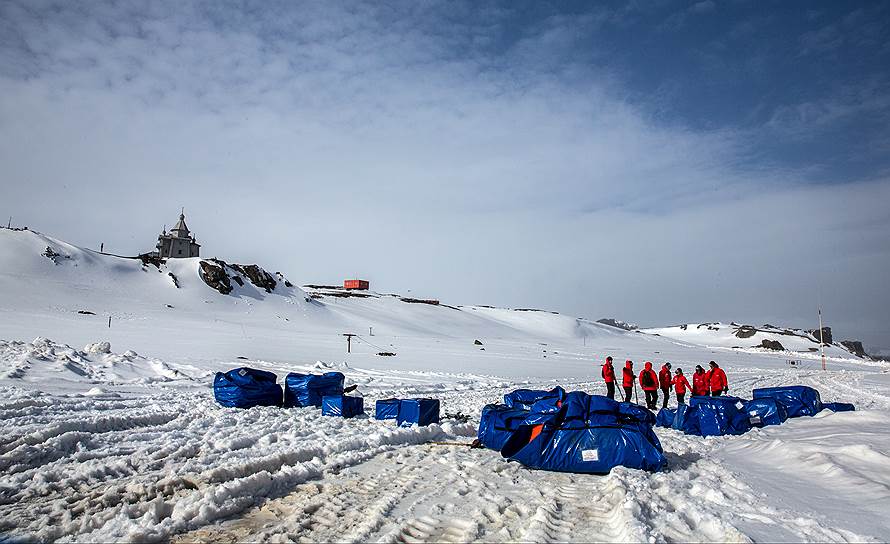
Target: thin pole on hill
821, 338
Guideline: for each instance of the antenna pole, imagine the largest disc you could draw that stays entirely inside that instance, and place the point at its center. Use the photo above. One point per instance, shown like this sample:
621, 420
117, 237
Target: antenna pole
821, 338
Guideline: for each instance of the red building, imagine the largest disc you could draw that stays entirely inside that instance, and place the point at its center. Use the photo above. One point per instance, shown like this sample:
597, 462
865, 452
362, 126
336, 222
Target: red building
362, 285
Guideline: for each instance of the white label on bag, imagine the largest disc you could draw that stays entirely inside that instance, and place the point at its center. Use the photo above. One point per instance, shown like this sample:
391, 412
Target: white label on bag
739, 405
590, 455
242, 372
754, 420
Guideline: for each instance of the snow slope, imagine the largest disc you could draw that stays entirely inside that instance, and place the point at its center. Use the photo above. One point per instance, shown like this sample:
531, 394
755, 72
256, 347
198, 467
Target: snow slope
113, 434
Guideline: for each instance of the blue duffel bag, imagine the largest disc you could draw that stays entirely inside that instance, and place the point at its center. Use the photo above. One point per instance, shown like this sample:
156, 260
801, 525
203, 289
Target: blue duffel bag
420, 412
765, 411
308, 389
839, 406
497, 424
524, 399
342, 406
718, 416
665, 417
246, 387
386, 409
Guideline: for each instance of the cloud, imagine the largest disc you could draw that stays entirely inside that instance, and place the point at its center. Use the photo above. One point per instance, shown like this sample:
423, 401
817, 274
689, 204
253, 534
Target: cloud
428, 146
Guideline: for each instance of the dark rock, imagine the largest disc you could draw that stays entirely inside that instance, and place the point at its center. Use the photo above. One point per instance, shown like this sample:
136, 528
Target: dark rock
772, 344
86, 312
826, 335
386, 354
420, 301
745, 331
855, 347
477, 342
617, 323
238, 280
173, 277
213, 273
257, 276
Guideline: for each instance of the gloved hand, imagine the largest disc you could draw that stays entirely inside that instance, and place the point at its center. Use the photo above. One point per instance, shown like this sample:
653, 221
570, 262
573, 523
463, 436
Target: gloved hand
725, 390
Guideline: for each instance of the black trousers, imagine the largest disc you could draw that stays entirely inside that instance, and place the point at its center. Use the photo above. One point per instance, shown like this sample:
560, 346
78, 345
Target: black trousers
667, 395
610, 390
627, 393
716, 393
681, 398
651, 398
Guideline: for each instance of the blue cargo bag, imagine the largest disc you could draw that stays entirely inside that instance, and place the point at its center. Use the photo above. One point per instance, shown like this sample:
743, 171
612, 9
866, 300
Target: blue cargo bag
342, 406
686, 420
665, 417
497, 424
591, 434
717, 416
798, 400
308, 389
420, 412
839, 406
525, 398
765, 411
386, 409
246, 387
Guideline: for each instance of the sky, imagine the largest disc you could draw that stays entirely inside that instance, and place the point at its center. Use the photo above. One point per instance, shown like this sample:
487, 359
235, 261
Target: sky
655, 161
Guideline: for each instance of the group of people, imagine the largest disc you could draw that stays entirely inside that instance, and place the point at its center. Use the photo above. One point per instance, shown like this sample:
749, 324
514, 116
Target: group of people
707, 383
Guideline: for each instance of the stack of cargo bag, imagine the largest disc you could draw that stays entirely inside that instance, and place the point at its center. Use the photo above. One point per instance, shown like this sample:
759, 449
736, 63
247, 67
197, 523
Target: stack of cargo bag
798, 400
246, 387
587, 434
302, 390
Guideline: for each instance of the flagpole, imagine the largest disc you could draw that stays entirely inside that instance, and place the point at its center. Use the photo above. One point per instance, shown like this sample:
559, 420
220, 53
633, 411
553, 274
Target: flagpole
821, 338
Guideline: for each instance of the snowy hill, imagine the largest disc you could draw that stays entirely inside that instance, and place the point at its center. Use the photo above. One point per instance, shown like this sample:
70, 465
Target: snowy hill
793, 342
112, 434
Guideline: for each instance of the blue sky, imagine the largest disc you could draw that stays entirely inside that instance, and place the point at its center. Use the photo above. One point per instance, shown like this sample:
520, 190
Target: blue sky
659, 162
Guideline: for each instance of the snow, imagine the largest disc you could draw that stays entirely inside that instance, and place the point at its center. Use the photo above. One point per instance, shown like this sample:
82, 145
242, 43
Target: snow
112, 434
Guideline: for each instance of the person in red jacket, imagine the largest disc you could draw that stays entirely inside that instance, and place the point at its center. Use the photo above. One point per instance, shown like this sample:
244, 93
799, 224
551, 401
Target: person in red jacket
717, 380
681, 384
609, 378
627, 379
649, 383
664, 382
700, 382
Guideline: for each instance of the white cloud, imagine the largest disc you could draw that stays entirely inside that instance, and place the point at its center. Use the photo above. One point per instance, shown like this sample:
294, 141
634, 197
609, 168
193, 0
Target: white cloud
409, 145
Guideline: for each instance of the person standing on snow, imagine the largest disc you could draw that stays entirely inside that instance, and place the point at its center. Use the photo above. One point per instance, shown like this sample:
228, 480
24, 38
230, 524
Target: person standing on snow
649, 383
664, 382
717, 380
627, 379
609, 377
681, 384
700, 386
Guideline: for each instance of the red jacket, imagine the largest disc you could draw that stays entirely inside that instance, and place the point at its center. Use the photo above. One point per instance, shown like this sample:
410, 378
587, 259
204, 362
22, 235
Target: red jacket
699, 383
664, 377
717, 379
608, 372
680, 384
627, 378
648, 378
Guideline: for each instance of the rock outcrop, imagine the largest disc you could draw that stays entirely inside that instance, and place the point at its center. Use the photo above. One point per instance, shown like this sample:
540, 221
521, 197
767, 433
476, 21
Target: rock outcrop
772, 344
855, 347
826, 335
213, 273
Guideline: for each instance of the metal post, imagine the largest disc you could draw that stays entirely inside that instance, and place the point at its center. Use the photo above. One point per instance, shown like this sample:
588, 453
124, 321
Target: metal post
109, 322
348, 342
821, 339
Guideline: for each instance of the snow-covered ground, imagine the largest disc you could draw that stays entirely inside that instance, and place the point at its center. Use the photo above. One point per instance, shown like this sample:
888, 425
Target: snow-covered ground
123, 441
